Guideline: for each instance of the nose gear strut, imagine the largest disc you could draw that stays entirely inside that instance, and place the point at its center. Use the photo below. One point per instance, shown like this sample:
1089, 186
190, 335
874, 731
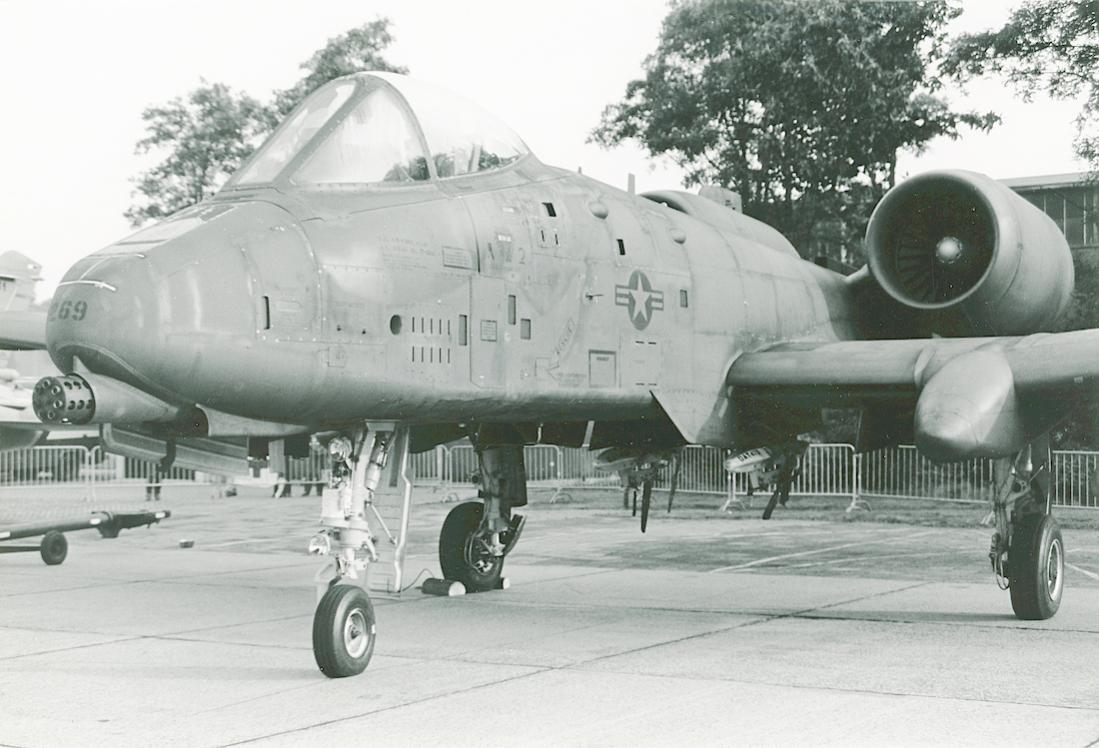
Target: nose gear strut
362, 534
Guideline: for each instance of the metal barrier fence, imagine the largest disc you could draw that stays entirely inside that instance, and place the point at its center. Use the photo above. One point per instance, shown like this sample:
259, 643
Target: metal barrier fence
827, 470
902, 472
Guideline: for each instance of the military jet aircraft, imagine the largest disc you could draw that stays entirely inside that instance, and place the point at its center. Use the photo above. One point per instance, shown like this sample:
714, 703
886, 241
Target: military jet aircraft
22, 363
19, 427
394, 269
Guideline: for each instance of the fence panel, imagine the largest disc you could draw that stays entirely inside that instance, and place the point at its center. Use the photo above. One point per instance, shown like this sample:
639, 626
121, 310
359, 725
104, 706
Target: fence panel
41, 466
902, 472
826, 470
1074, 478
701, 470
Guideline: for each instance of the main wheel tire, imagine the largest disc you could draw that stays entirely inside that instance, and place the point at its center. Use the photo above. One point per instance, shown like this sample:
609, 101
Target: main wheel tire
343, 631
54, 548
1037, 567
461, 555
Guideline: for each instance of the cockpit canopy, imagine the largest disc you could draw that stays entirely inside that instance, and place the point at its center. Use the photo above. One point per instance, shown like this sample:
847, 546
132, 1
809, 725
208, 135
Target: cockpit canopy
381, 129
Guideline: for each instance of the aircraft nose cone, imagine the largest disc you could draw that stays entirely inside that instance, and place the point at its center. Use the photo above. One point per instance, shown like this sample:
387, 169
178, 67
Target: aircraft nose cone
106, 312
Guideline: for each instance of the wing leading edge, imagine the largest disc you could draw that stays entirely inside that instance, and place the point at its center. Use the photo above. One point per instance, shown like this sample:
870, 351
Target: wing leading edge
22, 331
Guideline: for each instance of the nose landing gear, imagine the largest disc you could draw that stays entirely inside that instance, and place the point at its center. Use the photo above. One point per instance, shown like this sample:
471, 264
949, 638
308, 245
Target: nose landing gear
365, 537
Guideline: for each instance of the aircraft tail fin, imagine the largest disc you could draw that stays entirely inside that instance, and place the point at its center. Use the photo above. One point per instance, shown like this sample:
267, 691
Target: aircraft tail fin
18, 276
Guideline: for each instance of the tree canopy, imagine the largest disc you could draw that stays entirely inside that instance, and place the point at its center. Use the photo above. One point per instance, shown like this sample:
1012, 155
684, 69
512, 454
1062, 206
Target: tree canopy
801, 107
205, 136
1046, 46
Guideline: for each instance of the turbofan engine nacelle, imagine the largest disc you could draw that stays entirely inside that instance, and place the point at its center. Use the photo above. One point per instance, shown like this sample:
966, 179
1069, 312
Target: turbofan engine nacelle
974, 255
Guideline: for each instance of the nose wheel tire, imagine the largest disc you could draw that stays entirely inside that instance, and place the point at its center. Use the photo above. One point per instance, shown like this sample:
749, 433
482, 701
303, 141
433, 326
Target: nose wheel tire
54, 548
1037, 567
343, 631
464, 555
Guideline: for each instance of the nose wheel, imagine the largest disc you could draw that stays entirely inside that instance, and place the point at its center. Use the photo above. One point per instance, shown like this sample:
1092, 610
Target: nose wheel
343, 631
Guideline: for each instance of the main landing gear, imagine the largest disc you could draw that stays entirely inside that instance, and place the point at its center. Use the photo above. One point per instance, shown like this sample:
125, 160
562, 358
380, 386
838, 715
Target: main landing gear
365, 521
1027, 553
476, 536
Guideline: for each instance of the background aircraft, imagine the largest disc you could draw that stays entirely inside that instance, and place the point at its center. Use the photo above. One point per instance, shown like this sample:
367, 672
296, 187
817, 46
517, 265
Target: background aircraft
22, 327
393, 269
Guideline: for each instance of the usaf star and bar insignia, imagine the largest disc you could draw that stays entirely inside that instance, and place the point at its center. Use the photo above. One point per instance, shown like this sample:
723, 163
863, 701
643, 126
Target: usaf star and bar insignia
639, 298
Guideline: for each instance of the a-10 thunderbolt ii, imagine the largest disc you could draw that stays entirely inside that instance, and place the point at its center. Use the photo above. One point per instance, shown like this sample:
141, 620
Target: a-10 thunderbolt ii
393, 269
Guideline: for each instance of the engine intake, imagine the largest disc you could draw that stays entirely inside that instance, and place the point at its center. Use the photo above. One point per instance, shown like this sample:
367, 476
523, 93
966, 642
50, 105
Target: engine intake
976, 256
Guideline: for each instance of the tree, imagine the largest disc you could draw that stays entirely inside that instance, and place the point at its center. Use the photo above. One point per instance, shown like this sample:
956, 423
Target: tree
358, 49
1049, 46
801, 107
205, 136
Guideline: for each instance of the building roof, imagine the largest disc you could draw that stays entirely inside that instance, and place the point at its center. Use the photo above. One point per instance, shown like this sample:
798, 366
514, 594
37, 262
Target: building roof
1049, 180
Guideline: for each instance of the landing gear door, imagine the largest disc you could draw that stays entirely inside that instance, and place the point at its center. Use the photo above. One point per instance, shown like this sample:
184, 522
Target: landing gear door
486, 329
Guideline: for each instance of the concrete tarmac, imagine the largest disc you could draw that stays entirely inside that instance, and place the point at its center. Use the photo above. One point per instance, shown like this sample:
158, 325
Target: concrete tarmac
701, 632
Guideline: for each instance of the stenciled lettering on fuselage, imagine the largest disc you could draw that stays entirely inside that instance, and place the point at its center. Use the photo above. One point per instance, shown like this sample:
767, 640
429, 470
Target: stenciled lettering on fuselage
639, 298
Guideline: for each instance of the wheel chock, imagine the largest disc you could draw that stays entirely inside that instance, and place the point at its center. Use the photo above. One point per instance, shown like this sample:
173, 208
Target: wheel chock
443, 587
503, 584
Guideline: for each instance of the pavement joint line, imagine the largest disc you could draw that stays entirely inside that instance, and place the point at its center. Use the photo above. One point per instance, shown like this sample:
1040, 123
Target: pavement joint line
382, 710
815, 551
856, 559
1021, 626
637, 608
839, 689
1085, 572
52, 590
745, 624
261, 697
1092, 743
807, 614
277, 619
90, 645
257, 645
227, 543
146, 580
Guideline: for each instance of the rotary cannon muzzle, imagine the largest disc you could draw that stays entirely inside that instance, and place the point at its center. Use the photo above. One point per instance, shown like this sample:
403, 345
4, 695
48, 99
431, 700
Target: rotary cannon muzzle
64, 399
80, 399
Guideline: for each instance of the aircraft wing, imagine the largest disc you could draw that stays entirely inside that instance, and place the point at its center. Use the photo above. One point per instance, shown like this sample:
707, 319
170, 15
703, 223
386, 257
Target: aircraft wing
22, 330
971, 396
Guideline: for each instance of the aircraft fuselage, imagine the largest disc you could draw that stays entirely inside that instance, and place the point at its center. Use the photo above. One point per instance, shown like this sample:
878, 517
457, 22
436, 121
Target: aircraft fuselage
529, 293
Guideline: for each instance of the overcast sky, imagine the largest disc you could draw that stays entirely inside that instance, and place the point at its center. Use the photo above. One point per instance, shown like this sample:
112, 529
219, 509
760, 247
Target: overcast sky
75, 76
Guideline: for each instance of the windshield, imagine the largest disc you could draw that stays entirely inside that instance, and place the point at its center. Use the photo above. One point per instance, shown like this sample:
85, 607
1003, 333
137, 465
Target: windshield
374, 143
295, 133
